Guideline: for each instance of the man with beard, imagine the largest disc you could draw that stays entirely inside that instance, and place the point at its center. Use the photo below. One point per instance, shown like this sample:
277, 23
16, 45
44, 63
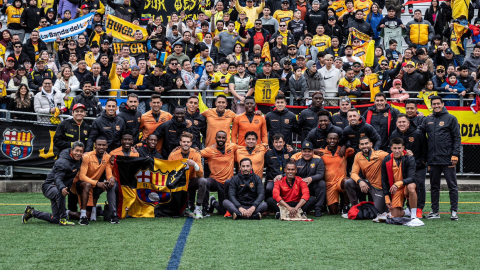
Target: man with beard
358, 128
349, 85
349, 58
285, 76
131, 116
281, 121
249, 122
314, 17
413, 114
126, 149
366, 177
318, 136
72, 130
196, 181
105, 65
340, 119
171, 130
292, 54
220, 157
308, 118
245, 194
57, 186
415, 144
152, 119
148, 149
199, 123
383, 118
254, 151
218, 119
108, 125
360, 24
335, 172
94, 171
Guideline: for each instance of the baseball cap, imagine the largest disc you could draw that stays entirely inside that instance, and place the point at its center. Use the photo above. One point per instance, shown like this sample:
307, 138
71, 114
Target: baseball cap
78, 105
440, 67
106, 41
94, 44
10, 58
178, 44
50, 10
328, 57
135, 67
301, 56
448, 51
331, 18
292, 45
349, 46
315, 2
411, 63
285, 1
85, 6
267, 63
40, 60
153, 50
358, 63
240, 63
20, 67
252, 63
307, 145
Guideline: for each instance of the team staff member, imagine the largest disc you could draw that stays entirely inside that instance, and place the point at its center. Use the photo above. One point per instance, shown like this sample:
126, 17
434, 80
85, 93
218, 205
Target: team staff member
443, 151
171, 130
220, 157
131, 116
126, 149
275, 160
291, 192
108, 125
335, 172
357, 129
398, 180
318, 136
281, 121
152, 119
308, 118
312, 169
149, 149
57, 186
249, 122
196, 181
89, 183
253, 151
340, 119
218, 119
413, 114
415, 144
383, 118
366, 175
245, 194
199, 123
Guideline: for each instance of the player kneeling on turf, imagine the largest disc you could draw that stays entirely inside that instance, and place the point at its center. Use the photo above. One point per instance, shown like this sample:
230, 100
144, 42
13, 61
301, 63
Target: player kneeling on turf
398, 180
57, 186
245, 193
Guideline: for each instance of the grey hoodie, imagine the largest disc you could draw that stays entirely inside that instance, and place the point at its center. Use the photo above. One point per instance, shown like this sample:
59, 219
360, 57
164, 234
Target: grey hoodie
472, 63
298, 88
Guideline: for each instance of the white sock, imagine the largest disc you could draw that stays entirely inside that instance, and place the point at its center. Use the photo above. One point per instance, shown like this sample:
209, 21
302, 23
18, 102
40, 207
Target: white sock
68, 211
413, 212
93, 215
83, 213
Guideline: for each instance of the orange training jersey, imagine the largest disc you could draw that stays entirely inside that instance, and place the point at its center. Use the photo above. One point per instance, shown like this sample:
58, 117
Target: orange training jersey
371, 168
241, 125
256, 156
216, 123
148, 124
193, 155
221, 165
335, 166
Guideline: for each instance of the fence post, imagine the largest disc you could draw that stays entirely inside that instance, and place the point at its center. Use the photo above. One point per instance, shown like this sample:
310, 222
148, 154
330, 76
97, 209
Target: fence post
7, 116
461, 159
461, 101
204, 96
119, 93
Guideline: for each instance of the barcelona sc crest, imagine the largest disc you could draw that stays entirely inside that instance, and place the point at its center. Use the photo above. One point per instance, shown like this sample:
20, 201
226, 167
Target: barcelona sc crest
155, 187
17, 145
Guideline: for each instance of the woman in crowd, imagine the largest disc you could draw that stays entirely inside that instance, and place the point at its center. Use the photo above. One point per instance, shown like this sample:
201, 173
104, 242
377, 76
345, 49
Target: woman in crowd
22, 101
67, 83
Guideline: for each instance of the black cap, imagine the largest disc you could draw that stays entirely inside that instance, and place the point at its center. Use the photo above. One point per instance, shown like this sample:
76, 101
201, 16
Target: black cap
331, 18
307, 145
252, 63
240, 63
20, 67
94, 45
178, 44
98, 24
50, 10
106, 41
449, 51
267, 63
153, 50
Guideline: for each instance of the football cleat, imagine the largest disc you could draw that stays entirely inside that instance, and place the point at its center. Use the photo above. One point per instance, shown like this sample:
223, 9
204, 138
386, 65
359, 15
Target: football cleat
28, 214
432, 215
65, 222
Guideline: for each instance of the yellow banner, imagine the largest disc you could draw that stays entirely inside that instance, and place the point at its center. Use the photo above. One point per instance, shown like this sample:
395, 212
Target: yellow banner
467, 120
122, 29
266, 90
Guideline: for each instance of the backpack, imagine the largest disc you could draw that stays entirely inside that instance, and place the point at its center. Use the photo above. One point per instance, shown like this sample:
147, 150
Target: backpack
363, 210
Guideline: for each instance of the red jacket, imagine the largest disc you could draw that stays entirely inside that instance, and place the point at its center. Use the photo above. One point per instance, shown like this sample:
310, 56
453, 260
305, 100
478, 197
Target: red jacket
299, 190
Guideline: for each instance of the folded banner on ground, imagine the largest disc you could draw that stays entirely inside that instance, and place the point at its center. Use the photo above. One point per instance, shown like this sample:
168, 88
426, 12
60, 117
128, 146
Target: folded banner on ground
151, 187
266, 90
136, 48
65, 30
122, 29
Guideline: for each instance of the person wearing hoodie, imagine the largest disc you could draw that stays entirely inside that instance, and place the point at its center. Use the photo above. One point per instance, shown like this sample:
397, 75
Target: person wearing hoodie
398, 92
318, 135
92, 105
135, 80
413, 80
57, 186
473, 61
33, 46
298, 86
131, 116
14, 14
358, 128
313, 79
383, 118
108, 125
360, 24
334, 31
314, 17
19, 78
189, 78
331, 77
101, 84
30, 19
454, 87
308, 118
465, 79
281, 121
340, 119
39, 73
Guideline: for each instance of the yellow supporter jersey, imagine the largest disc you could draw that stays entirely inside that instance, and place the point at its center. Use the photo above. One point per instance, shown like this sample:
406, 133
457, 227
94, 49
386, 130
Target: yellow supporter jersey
217, 76
350, 85
321, 42
373, 83
283, 16
364, 6
339, 7
361, 52
237, 28
13, 14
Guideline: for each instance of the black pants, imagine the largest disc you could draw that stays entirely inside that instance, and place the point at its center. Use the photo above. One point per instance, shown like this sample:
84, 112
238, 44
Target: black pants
57, 200
221, 189
269, 189
197, 184
420, 175
353, 189
451, 177
318, 190
230, 207
272, 204
72, 202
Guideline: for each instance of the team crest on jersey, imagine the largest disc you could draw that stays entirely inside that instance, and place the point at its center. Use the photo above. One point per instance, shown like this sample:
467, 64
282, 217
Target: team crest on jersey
287, 121
285, 156
441, 123
195, 122
85, 132
118, 128
251, 185
256, 121
17, 145
312, 165
411, 139
385, 114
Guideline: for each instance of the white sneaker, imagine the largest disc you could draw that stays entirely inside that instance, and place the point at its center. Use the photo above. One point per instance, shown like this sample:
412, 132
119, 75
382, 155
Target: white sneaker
382, 217
407, 213
93, 216
197, 213
345, 215
415, 223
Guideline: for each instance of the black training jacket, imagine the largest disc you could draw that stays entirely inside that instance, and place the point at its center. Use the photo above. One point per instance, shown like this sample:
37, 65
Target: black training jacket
63, 172
314, 168
415, 141
308, 120
340, 120
170, 131
284, 122
379, 121
68, 131
246, 190
131, 119
318, 136
109, 127
352, 135
272, 162
198, 128
443, 137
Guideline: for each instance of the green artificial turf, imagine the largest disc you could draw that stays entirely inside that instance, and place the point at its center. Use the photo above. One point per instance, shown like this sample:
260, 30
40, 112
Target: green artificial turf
220, 243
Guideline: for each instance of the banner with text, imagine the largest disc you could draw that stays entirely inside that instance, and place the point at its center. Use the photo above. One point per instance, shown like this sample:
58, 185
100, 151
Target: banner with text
122, 29
136, 48
155, 8
65, 30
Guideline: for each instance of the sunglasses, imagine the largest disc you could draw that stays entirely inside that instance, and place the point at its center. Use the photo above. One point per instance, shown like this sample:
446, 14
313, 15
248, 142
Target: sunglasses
291, 49
173, 64
356, 66
283, 25
258, 24
18, 46
384, 64
440, 71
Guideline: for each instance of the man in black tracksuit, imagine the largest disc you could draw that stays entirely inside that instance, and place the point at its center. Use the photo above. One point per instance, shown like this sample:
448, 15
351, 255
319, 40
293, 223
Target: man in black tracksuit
357, 129
340, 119
199, 123
131, 116
312, 170
412, 113
314, 17
416, 142
318, 136
72, 130
57, 186
282, 121
158, 81
275, 160
171, 130
30, 18
444, 144
107, 125
245, 193
149, 147
383, 118
308, 118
